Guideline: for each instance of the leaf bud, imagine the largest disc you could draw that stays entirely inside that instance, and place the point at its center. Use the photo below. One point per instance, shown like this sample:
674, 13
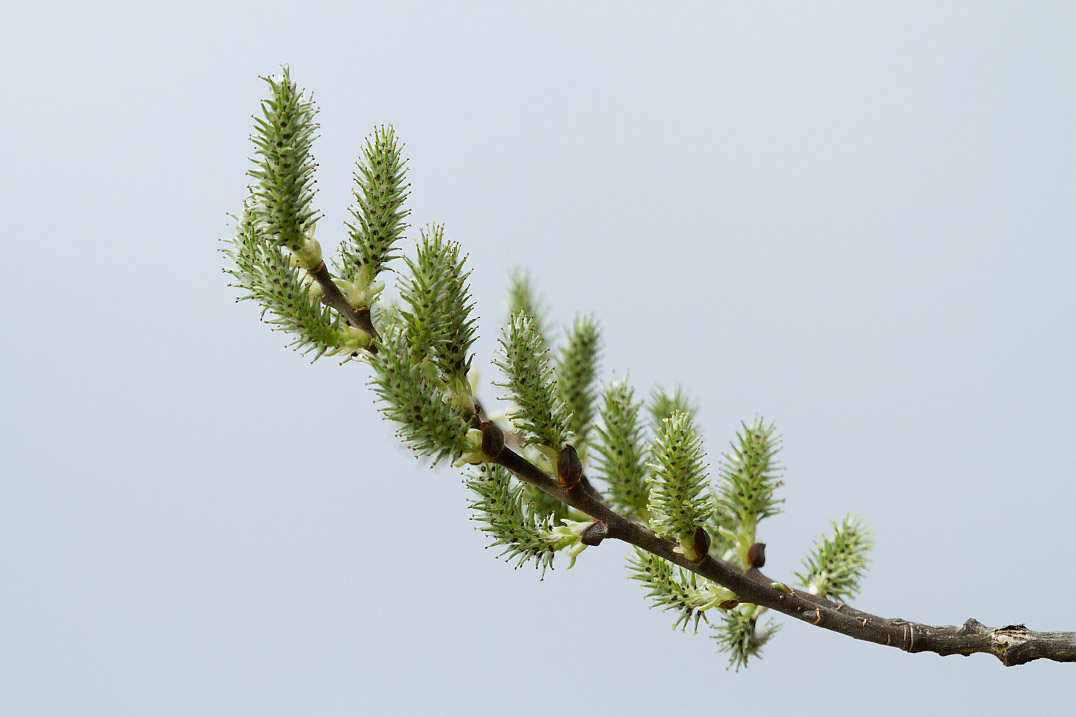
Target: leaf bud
756, 555
492, 439
594, 533
569, 467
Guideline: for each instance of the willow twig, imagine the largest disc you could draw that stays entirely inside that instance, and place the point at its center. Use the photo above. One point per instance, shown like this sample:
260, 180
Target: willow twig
1012, 644
332, 296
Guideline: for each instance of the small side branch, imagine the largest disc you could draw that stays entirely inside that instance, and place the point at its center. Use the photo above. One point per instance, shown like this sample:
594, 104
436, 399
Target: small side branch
332, 296
1012, 644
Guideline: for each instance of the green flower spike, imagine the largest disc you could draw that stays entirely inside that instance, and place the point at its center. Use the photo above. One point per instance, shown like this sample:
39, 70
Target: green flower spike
664, 403
679, 496
283, 208
428, 424
438, 313
672, 588
507, 518
749, 477
522, 296
576, 372
270, 277
378, 215
540, 413
619, 452
836, 565
741, 635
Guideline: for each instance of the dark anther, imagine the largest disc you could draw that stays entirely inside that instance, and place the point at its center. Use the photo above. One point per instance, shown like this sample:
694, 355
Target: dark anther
569, 467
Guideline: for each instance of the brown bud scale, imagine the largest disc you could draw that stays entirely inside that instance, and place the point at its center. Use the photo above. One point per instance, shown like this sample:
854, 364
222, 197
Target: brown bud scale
492, 439
569, 467
756, 555
594, 533
701, 542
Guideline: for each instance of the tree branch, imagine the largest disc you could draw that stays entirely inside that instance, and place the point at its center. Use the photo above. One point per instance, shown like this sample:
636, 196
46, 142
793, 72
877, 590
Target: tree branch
1012, 644
280, 207
332, 296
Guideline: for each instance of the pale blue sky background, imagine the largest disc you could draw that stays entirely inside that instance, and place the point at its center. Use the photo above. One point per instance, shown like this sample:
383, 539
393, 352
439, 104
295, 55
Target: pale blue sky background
854, 219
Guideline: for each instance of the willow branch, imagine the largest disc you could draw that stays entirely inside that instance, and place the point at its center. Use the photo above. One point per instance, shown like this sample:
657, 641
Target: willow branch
1012, 644
332, 296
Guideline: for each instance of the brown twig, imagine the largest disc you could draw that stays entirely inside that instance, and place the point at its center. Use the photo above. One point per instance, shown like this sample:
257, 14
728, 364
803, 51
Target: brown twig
332, 296
1012, 644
